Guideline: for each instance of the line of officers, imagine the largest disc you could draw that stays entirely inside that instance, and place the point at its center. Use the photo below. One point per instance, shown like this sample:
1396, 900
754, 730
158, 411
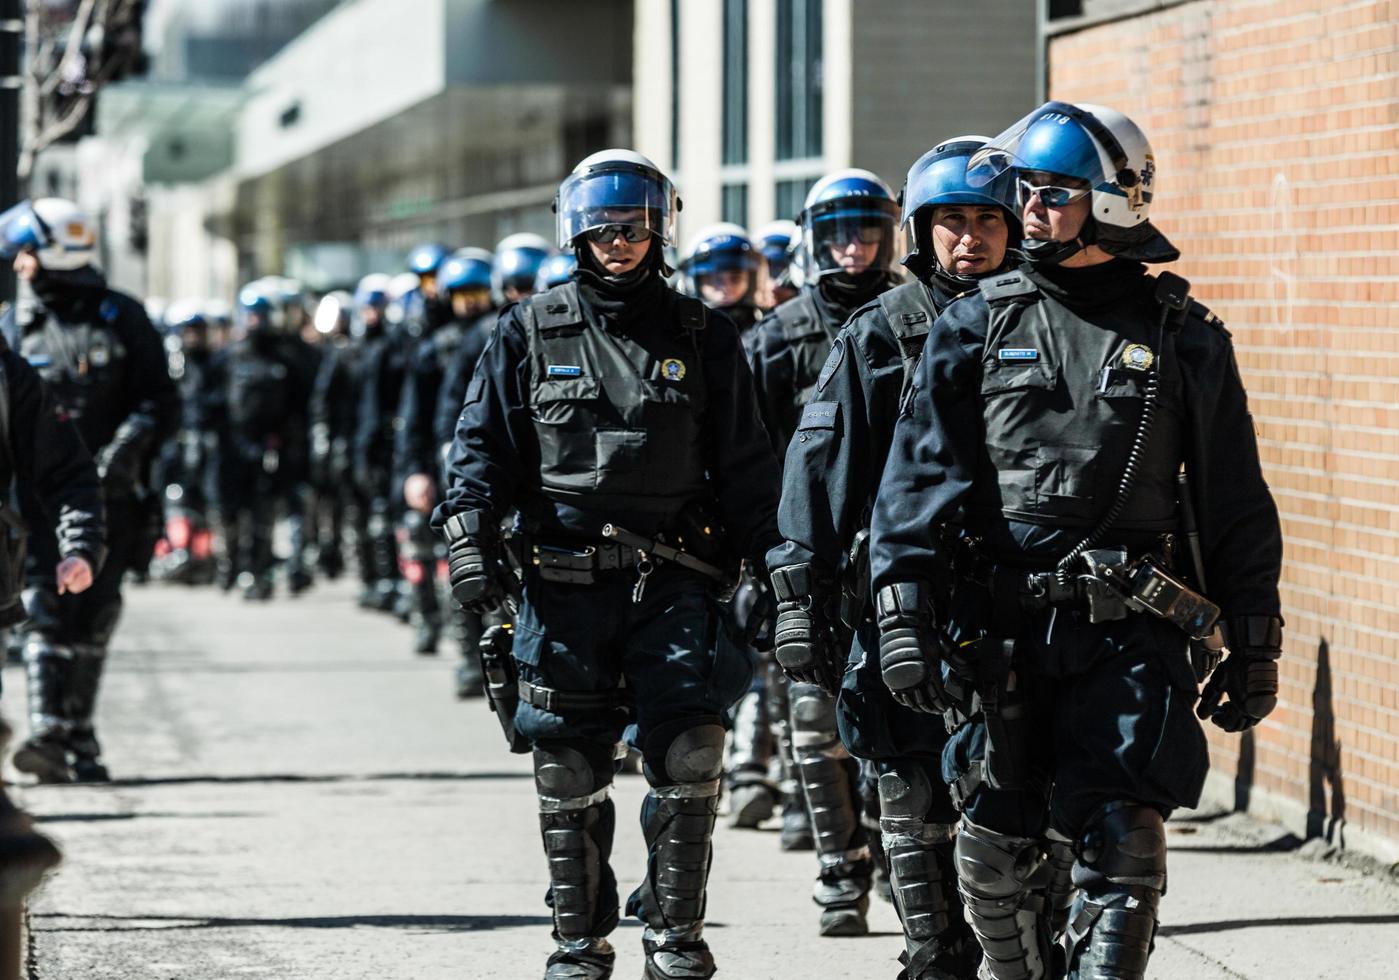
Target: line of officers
971, 512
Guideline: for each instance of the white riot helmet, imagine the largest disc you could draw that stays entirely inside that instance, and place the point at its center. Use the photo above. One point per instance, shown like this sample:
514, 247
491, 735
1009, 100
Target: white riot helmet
616, 189
1102, 153
62, 235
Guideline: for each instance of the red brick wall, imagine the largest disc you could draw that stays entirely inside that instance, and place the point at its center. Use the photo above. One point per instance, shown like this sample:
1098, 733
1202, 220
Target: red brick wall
1274, 128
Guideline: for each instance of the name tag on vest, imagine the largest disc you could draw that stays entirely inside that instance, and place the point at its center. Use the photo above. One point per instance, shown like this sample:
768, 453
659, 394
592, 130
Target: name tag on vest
1018, 354
564, 371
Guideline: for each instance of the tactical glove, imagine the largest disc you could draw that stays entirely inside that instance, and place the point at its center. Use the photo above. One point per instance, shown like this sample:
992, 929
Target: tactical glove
1244, 689
472, 555
910, 652
805, 641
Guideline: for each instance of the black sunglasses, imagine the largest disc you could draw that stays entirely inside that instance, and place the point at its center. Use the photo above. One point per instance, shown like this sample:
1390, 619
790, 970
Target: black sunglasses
607, 233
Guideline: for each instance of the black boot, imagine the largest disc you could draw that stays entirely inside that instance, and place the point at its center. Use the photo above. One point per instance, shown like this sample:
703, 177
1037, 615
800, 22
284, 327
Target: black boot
581, 959
25, 854
45, 752
679, 828
88, 664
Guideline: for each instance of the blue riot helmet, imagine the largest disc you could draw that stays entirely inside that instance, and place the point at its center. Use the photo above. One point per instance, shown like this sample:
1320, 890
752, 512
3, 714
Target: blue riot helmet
1061, 153
517, 262
62, 236
555, 271
939, 178
849, 226
777, 242
373, 290
616, 192
721, 266
426, 259
466, 269
256, 310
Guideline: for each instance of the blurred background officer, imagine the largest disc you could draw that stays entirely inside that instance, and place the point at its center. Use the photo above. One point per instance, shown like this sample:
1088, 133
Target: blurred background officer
105, 367
849, 226
518, 259
721, 267
188, 473
464, 282
267, 394
959, 234
555, 271
386, 347
334, 408
613, 400
777, 241
1052, 413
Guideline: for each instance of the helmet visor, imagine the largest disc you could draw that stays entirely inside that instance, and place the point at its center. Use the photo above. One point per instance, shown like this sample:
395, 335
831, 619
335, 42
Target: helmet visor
1053, 139
942, 179
853, 238
21, 228
630, 196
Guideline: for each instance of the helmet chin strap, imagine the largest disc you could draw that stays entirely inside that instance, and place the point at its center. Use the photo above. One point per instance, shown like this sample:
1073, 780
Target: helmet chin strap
1053, 253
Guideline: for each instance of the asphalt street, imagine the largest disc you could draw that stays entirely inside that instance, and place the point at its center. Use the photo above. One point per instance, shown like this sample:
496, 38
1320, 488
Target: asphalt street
300, 797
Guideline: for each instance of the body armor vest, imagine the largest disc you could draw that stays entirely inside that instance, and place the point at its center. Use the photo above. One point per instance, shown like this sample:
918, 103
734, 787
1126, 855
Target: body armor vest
84, 366
258, 379
808, 338
910, 311
619, 419
1061, 402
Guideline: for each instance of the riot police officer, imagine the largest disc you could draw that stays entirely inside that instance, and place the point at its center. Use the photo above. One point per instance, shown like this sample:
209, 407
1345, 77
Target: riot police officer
382, 366
612, 400
1025, 536
334, 408
464, 281
777, 241
721, 268
848, 225
959, 234
104, 365
267, 394
518, 259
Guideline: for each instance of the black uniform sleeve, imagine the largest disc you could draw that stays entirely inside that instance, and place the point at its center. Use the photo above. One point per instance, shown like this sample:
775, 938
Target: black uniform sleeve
494, 443
746, 474
453, 392
50, 457
412, 449
933, 458
367, 421
834, 464
1240, 534
772, 382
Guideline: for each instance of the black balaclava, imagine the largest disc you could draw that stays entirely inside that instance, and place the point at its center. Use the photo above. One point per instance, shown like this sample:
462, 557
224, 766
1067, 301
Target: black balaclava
628, 298
838, 295
71, 295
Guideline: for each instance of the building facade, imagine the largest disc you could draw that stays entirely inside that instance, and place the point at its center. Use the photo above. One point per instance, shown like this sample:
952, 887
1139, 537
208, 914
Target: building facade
749, 102
1273, 125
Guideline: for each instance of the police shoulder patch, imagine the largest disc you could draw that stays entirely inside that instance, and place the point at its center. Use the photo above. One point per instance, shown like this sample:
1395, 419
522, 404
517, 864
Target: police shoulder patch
819, 415
832, 364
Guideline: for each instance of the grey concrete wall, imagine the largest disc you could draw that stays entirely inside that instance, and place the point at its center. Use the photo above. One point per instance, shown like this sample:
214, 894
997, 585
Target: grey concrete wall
500, 42
926, 70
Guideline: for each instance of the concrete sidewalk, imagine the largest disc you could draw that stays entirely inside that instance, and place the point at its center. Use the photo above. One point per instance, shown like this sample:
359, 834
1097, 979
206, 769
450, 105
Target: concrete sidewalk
300, 797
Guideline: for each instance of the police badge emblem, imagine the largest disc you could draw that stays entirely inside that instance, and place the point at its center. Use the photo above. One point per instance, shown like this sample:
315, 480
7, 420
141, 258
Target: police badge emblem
1138, 357
673, 369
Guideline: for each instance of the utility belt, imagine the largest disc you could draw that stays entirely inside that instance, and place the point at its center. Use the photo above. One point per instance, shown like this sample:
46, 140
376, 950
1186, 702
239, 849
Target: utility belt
580, 564
1111, 584
555, 701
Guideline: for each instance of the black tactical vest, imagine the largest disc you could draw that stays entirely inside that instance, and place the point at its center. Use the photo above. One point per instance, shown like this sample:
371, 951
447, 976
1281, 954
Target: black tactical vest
84, 366
258, 382
909, 310
808, 339
619, 418
1061, 402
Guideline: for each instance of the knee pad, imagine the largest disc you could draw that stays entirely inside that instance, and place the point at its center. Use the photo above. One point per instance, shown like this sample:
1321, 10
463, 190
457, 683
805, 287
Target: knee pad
686, 750
994, 873
1125, 844
571, 775
813, 714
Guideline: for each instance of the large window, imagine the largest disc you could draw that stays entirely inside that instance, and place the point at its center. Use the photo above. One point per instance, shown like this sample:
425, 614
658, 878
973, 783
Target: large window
734, 203
799, 79
735, 81
790, 196
674, 85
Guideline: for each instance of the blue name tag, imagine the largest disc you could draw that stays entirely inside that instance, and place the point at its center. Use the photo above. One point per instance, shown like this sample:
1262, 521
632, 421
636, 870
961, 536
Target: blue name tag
39, 360
565, 371
1018, 354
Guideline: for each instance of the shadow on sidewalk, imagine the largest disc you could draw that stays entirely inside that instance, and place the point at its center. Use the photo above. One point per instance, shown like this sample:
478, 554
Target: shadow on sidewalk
165, 923
273, 777
1229, 925
46, 818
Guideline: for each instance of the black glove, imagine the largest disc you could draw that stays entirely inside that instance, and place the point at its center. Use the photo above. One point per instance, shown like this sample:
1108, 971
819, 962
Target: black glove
760, 625
472, 558
910, 651
1244, 689
805, 641
119, 462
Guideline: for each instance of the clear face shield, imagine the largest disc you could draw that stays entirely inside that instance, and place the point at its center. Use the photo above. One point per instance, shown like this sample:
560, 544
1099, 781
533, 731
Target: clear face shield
723, 279
851, 237
21, 228
1049, 152
620, 198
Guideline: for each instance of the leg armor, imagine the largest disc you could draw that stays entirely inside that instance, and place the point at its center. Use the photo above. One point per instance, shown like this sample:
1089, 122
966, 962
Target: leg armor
49, 670
577, 821
751, 793
940, 946
1058, 883
870, 813
828, 779
995, 873
419, 559
88, 663
1121, 875
682, 761
796, 822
